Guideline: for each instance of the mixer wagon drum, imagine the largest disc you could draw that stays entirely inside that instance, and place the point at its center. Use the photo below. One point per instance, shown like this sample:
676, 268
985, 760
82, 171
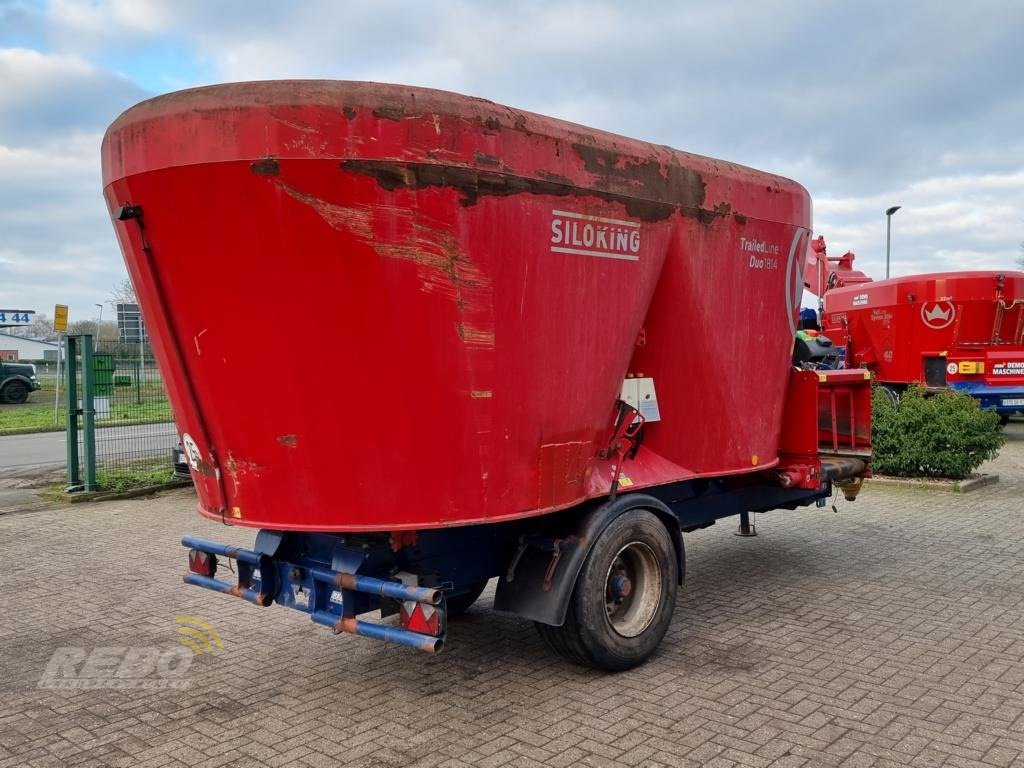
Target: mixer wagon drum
523, 315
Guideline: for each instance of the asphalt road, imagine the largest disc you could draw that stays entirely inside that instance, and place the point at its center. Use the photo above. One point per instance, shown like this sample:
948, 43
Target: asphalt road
47, 450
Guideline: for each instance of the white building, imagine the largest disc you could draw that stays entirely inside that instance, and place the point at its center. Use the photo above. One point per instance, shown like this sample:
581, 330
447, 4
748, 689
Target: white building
14, 348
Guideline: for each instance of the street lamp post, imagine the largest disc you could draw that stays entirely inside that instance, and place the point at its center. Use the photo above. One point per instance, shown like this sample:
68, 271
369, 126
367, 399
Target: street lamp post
888, 235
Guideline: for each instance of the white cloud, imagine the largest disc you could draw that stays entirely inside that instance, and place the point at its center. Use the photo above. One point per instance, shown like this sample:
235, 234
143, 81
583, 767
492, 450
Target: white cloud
868, 104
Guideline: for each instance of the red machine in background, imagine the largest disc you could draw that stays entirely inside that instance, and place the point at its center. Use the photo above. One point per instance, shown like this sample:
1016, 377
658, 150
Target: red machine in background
521, 372
961, 330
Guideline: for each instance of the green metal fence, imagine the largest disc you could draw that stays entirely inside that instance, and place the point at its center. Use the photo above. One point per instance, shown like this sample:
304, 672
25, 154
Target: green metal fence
119, 422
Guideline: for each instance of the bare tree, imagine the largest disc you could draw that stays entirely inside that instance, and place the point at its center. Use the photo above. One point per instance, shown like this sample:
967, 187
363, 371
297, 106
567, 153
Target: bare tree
1020, 259
123, 293
41, 327
105, 331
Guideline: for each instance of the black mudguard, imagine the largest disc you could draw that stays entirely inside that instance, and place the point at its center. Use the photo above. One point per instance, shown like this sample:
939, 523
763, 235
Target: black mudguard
535, 589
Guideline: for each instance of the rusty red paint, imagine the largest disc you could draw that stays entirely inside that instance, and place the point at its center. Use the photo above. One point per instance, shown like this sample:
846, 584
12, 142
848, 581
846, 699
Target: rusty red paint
266, 167
414, 228
402, 539
345, 581
346, 625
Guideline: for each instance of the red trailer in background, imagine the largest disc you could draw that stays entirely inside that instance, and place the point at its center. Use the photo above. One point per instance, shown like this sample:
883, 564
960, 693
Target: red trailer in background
522, 316
958, 330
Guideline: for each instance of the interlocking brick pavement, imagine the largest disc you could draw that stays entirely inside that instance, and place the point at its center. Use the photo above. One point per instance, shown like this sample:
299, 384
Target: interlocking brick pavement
889, 634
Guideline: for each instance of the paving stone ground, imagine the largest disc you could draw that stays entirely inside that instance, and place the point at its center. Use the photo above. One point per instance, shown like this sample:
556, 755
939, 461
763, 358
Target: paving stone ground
889, 634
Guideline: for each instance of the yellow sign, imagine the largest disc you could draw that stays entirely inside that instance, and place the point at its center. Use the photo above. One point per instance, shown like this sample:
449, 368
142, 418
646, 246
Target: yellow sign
60, 318
971, 366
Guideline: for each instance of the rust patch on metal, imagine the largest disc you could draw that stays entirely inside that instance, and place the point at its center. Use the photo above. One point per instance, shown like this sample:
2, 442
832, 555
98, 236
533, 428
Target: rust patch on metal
346, 625
482, 158
555, 178
707, 216
288, 441
345, 581
205, 468
237, 590
238, 468
481, 393
265, 167
394, 112
472, 184
389, 175
668, 183
349, 113
740, 218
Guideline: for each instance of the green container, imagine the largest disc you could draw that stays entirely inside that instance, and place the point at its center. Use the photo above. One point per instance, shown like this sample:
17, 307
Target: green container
103, 373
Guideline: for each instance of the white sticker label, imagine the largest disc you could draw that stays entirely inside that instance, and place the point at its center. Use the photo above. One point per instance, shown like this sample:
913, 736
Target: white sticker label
336, 598
191, 451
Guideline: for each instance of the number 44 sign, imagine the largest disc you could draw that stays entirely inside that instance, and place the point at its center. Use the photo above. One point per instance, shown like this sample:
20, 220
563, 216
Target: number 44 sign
12, 317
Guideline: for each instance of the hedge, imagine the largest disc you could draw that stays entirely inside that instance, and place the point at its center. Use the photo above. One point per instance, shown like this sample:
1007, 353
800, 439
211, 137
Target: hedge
942, 435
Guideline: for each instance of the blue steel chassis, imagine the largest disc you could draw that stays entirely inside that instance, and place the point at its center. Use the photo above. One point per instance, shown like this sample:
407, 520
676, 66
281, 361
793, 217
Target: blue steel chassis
337, 577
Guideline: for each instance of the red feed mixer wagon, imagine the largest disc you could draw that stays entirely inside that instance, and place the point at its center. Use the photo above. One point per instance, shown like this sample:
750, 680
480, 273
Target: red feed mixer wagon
957, 330
519, 372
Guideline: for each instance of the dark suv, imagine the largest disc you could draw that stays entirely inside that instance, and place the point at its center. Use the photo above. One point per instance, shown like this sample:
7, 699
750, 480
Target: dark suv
16, 381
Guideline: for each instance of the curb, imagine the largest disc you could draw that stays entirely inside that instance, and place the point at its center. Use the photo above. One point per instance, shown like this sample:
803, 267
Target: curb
132, 493
949, 486
11, 431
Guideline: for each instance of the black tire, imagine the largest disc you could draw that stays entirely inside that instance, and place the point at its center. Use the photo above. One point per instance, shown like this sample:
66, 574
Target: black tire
1004, 419
459, 604
605, 628
16, 392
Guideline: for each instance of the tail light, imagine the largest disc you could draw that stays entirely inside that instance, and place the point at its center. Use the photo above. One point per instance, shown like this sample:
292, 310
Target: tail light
202, 563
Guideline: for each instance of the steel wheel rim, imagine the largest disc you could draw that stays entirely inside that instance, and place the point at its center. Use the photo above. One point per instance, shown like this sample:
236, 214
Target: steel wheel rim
634, 569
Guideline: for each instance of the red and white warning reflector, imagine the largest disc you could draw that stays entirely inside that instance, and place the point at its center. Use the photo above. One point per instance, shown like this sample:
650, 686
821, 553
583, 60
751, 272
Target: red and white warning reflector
422, 618
202, 563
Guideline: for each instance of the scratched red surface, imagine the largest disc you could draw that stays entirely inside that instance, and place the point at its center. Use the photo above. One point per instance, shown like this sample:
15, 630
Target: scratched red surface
476, 280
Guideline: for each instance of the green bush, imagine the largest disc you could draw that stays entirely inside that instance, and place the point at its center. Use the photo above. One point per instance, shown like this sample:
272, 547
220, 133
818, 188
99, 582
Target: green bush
941, 435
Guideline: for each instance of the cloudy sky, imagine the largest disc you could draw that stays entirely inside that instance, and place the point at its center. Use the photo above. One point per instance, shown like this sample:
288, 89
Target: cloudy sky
867, 104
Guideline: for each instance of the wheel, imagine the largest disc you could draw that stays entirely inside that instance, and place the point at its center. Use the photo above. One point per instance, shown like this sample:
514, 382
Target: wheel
624, 596
459, 604
1004, 419
15, 392
892, 393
